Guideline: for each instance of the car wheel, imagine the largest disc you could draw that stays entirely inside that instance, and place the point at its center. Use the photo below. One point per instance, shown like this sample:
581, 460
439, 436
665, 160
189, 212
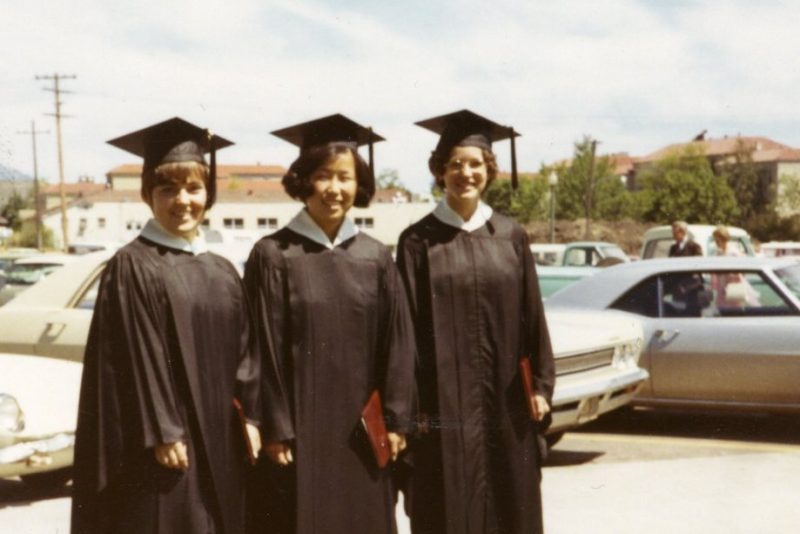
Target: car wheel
48, 480
552, 439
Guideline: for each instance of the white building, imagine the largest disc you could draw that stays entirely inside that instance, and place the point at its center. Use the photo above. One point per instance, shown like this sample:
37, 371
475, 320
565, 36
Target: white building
250, 202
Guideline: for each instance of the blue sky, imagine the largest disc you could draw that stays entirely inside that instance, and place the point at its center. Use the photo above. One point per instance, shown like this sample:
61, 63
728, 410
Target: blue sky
636, 75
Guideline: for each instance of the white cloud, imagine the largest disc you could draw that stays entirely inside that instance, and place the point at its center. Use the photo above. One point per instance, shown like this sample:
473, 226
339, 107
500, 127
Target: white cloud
635, 75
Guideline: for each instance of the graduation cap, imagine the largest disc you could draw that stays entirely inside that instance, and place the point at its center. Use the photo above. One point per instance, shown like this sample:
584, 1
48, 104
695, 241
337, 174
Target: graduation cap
174, 141
331, 129
465, 128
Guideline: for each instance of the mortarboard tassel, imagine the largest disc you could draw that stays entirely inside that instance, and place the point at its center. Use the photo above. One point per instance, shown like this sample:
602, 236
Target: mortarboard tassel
514, 178
371, 165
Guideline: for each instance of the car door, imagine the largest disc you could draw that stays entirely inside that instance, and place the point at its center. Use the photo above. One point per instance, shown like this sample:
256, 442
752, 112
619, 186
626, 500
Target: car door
65, 331
725, 351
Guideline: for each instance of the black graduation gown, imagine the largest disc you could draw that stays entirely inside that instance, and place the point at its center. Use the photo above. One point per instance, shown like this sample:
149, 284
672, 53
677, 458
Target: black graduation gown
169, 347
477, 309
337, 326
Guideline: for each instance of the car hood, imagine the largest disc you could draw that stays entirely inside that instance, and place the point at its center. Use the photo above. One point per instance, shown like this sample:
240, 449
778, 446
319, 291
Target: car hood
573, 332
46, 389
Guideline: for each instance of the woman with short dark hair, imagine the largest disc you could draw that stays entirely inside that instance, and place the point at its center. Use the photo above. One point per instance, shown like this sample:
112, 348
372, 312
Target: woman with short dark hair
332, 313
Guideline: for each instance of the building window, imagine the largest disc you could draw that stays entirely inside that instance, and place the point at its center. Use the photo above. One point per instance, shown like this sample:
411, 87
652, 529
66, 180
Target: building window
206, 223
233, 223
365, 222
101, 222
266, 223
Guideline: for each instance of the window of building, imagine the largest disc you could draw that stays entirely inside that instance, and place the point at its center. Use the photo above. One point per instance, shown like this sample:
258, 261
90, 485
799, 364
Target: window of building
206, 223
234, 223
365, 222
267, 223
101, 222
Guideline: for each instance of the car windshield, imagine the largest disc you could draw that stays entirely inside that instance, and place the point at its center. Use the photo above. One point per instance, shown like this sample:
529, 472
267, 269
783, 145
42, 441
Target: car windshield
550, 284
790, 276
29, 273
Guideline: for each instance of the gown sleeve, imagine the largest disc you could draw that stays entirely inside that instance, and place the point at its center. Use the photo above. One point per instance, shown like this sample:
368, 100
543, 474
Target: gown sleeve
398, 351
264, 285
128, 401
248, 373
537, 337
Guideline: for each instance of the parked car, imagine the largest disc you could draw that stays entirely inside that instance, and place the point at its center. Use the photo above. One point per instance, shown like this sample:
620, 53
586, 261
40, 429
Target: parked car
775, 249
25, 272
597, 370
38, 411
578, 254
554, 278
720, 332
658, 240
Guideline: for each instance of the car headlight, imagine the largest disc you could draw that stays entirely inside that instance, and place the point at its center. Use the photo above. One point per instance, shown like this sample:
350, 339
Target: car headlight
12, 419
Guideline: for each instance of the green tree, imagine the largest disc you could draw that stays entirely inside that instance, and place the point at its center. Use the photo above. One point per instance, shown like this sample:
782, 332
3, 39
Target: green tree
682, 185
390, 179
11, 210
527, 203
789, 200
610, 199
741, 175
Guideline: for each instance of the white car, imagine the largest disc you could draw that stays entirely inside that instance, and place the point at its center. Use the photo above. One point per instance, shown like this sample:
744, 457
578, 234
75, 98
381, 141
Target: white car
38, 412
597, 365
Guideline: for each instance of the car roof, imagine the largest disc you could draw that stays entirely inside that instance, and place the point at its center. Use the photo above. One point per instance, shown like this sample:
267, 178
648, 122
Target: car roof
666, 230
601, 289
47, 258
592, 244
60, 287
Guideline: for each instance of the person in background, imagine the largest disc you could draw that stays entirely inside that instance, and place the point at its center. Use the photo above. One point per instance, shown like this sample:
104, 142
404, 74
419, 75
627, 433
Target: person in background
159, 444
684, 245
472, 284
333, 319
722, 240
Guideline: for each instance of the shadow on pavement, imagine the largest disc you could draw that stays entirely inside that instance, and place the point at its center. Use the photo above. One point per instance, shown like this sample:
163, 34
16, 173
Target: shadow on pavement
561, 458
17, 493
753, 428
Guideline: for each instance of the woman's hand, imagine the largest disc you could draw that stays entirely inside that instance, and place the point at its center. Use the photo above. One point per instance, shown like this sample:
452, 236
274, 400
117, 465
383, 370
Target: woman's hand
397, 443
172, 455
279, 452
542, 408
255, 438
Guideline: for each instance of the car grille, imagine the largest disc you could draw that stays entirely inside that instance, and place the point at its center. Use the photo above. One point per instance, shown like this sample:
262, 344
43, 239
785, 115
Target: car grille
584, 362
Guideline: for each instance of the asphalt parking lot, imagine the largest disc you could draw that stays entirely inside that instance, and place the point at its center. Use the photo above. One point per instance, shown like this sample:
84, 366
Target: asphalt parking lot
630, 472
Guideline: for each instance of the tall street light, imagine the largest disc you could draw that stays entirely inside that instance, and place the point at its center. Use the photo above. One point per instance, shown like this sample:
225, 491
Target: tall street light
552, 180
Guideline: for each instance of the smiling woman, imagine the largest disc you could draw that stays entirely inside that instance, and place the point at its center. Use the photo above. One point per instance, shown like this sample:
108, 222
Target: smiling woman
169, 349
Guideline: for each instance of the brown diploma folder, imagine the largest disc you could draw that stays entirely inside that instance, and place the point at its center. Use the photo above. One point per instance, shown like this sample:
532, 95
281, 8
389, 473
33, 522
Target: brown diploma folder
372, 420
243, 422
527, 383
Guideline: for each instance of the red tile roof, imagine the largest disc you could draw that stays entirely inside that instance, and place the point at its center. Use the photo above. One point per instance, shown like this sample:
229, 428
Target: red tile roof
723, 146
223, 171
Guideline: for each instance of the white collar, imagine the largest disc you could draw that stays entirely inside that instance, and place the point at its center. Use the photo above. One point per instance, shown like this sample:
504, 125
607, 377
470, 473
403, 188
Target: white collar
303, 224
448, 215
155, 232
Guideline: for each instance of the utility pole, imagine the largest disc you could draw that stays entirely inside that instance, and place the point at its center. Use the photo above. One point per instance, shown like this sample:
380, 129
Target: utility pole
33, 131
590, 193
56, 90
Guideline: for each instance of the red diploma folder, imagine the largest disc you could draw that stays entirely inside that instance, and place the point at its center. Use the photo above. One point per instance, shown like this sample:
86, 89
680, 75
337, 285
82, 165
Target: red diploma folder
372, 419
243, 421
530, 392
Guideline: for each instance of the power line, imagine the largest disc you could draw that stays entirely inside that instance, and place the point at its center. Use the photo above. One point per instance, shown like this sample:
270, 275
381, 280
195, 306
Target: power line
56, 90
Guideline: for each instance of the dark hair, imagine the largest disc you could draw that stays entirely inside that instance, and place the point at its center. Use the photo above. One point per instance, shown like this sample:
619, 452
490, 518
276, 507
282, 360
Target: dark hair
438, 161
297, 181
155, 176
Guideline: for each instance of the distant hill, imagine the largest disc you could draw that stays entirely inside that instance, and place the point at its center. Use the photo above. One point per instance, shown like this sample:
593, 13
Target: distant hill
7, 174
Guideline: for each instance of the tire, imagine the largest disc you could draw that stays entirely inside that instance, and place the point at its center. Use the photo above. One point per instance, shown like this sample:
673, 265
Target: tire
48, 480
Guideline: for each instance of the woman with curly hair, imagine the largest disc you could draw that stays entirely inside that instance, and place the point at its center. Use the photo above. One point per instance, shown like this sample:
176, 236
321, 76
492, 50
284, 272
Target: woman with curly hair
475, 301
334, 323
